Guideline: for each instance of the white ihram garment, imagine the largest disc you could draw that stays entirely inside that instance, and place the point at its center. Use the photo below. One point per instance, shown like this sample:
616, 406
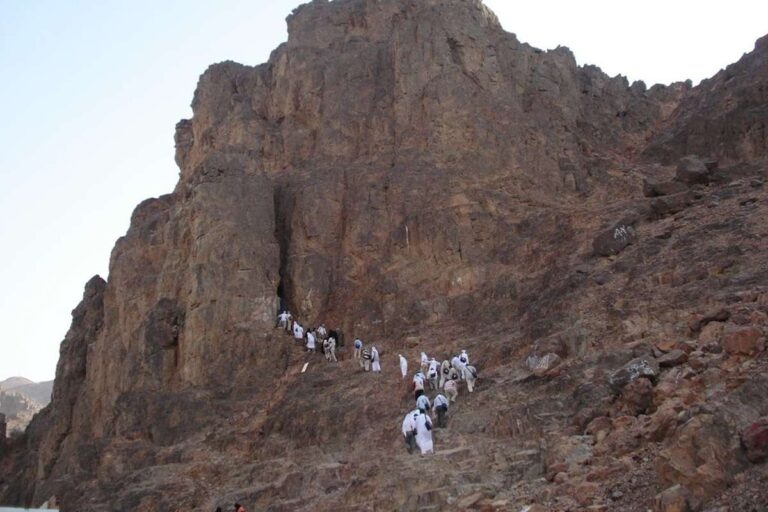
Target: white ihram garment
424, 434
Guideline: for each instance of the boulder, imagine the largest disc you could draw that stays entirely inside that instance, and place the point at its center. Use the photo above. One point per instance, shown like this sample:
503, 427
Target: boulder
541, 365
671, 204
674, 499
612, 241
646, 367
691, 170
664, 188
673, 358
745, 341
637, 396
754, 439
699, 322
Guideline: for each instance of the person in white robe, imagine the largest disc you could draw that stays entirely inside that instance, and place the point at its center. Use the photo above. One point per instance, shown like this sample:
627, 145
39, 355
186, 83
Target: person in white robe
424, 363
433, 373
332, 349
375, 360
298, 331
423, 404
311, 342
403, 365
409, 430
471, 374
456, 363
424, 434
445, 369
440, 406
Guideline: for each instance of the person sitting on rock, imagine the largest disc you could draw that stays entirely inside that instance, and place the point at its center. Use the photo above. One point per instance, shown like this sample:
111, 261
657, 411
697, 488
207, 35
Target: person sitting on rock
471, 377
284, 321
452, 389
358, 354
409, 430
375, 360
332, 349
311, 341
424, 433
433, 373
367, 359
418, 385
423, 404
440, 405
445, 370
403, 365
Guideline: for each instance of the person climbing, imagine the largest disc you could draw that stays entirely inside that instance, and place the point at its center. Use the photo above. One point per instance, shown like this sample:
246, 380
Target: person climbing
358, 350
403, 365
298, 332
452, 389
432, 373
284, 321
458, 365
424, 433
445, 369
409, 430
327, 350
311, 341
464, 357
440, 405
366, 359
424, 363
418, 385
332, 349
471, 377
322, 332
423, 404
375, 360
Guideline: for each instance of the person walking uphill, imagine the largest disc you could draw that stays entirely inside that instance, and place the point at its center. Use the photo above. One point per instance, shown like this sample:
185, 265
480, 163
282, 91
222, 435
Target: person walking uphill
311, 342
424, 433
440, 405
358, 354
375, 360
284, 321
366, 359
409, 430
403, 365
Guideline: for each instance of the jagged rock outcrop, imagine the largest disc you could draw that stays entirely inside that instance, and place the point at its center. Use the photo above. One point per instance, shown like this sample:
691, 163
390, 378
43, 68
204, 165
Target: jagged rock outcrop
413, 174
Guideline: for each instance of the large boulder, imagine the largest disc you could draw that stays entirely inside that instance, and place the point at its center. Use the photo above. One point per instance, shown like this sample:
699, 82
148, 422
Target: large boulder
754, 439
746, 341
674, 499
646, 367
664, 188
612, 241
692, 171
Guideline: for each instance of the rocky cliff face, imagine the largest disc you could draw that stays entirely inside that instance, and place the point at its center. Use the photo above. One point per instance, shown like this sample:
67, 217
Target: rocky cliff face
410, 172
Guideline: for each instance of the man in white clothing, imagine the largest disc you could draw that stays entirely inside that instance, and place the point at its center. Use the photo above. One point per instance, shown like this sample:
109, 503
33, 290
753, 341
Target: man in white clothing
452, 389
403, 365
423, 404
284, 320
332, 349
409, 430
456, 363
298, 332
311, 341
445, 369
424, 433
433, 373
424, 363
375, 360
471, 377
440, 405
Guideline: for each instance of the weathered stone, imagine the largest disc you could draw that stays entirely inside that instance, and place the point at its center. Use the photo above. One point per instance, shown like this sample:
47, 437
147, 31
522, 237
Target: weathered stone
692, 171
614, 240
637, 396
674, 358
646, 367
754, 438
542, 365
665, 188
674, 499
743, 340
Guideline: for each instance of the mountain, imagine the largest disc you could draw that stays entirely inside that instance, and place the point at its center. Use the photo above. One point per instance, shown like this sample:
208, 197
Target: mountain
408, 172
14, 382
21, 399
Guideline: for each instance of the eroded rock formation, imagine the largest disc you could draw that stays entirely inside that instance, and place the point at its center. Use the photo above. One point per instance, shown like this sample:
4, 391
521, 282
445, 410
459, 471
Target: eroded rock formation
412, 173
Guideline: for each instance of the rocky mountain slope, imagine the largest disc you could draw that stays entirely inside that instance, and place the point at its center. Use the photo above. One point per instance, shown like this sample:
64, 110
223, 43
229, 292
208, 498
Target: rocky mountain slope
21, 399
408, 171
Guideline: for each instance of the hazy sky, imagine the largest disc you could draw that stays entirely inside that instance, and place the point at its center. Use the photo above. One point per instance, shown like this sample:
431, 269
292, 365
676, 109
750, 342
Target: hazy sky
91, 90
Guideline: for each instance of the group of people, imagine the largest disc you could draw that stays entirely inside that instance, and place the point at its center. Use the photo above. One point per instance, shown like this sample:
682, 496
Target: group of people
327, 339
440, 377
417, 424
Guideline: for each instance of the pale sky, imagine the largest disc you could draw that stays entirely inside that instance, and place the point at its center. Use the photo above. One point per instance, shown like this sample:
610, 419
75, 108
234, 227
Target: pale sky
91, 90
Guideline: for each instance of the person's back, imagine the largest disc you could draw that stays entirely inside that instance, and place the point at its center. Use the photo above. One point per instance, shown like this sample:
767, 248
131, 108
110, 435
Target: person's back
440, 405
422, 403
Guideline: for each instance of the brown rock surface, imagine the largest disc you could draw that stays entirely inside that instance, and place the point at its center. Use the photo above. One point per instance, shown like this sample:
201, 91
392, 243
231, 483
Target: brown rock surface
410, 173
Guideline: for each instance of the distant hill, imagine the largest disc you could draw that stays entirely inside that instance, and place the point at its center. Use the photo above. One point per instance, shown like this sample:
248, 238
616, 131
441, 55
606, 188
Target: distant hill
14, 382
21, 399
